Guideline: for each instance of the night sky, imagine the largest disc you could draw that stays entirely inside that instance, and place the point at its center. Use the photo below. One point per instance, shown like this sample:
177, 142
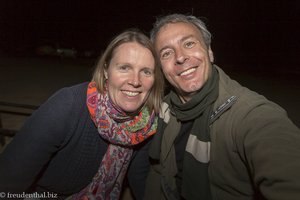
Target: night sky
253, 32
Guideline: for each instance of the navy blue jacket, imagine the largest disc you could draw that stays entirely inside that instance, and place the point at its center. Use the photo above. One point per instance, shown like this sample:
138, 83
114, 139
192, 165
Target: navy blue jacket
59, 149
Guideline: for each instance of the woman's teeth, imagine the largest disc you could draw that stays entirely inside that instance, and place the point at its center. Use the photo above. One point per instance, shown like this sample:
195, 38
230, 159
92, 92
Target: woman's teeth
132, 94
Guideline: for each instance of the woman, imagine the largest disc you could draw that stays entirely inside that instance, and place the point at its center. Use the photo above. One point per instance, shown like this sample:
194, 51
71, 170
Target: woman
85, 138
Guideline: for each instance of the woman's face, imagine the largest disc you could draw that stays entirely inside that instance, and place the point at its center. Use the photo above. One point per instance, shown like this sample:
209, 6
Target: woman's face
130, 76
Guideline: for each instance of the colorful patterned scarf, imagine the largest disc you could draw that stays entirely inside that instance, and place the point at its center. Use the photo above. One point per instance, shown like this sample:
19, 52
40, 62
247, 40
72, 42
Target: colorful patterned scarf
122, 132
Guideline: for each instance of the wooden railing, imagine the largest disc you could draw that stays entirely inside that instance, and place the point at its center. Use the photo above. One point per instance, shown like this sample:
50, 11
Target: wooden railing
12, 109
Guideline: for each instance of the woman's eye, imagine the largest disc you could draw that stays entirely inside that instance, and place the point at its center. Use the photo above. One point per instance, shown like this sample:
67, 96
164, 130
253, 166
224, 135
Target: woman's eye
148, 72
124, 68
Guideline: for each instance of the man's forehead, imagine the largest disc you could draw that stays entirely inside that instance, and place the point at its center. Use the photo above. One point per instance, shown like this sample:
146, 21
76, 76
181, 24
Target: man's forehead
176, 32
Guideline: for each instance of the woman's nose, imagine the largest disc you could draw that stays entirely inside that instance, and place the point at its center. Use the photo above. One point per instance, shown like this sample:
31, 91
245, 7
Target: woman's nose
135, 80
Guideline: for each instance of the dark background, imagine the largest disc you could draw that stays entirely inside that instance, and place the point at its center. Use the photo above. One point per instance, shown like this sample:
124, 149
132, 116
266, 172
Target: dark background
260, 34
255, 41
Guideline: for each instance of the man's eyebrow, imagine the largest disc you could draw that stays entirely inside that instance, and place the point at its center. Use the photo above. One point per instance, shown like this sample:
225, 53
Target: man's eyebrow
187, 37
166, 47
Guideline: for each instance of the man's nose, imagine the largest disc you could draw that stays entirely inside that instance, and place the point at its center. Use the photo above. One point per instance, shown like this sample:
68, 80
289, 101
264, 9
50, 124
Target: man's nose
181, 57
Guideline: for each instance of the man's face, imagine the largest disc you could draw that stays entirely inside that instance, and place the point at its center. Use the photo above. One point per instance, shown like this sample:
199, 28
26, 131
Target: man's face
185, 59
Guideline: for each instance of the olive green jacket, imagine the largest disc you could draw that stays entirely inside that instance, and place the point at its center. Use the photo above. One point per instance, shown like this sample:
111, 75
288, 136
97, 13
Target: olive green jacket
254, 150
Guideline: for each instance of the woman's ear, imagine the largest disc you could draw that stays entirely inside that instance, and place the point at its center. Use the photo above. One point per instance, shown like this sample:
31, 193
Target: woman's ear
211, 55
105, 74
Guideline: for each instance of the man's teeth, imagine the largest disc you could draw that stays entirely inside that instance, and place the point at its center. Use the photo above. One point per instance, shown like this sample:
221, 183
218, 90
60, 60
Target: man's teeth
187, 71
132, 94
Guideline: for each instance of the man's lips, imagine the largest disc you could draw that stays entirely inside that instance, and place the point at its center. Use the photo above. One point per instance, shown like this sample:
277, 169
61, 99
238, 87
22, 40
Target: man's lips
187, 72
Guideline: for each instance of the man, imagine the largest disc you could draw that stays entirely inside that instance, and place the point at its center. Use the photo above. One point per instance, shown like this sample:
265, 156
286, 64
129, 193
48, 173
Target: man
216, 139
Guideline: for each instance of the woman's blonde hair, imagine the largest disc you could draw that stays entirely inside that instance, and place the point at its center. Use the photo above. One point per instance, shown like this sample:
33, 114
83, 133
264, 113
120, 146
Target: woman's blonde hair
156, 93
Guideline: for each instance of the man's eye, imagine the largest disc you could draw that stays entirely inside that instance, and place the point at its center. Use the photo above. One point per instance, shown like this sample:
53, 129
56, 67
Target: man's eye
166, 54
189, 44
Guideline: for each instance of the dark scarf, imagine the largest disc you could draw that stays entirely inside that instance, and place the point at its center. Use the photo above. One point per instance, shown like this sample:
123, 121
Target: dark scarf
122, 132
195, 180
199, 108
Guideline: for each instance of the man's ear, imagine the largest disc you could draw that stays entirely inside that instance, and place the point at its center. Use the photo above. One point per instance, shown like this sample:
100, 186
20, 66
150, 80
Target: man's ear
211, 55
